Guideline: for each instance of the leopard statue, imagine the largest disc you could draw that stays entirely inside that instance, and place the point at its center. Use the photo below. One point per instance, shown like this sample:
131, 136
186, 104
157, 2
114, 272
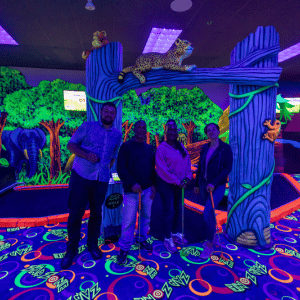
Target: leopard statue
99, 40
171, 60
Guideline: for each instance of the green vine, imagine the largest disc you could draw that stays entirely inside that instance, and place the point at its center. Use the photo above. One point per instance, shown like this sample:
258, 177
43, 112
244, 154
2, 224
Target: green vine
250, 95
267, 179
100, 101
251, 191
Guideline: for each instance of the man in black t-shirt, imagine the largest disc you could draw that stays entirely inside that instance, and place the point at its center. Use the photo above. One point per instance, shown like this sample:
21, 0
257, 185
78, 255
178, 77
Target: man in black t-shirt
136, 169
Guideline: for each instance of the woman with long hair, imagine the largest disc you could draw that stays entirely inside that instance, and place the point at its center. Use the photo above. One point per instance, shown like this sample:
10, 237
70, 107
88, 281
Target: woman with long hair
173, 167
213, 169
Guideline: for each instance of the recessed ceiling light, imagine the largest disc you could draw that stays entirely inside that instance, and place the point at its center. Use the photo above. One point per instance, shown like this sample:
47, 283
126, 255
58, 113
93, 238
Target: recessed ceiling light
160, 40
181, 5
5, 38
90, 5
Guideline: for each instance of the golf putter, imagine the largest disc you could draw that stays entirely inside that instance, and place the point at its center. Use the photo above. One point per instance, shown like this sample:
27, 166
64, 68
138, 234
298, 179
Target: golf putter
213, 206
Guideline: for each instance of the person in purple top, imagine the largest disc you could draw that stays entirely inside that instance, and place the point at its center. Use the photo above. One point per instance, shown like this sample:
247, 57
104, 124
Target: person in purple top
214, 166
173, 167
96, 146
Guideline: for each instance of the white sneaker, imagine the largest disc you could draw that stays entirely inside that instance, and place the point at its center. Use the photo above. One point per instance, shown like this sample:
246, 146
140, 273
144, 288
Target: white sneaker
169, 244
178, 238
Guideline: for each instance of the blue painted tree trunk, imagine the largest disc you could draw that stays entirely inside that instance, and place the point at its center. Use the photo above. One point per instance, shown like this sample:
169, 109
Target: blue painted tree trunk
101, 68
249, 219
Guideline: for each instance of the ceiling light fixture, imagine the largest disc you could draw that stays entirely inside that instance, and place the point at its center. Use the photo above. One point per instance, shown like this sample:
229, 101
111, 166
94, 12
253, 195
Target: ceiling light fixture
5, 38
181, 5
90, 5
289, 52
160, 40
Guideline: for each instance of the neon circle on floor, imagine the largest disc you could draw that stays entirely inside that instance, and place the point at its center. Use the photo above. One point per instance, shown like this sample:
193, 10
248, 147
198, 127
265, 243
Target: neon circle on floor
4, 275
109, 270
31, 259
93, 283
199, 293
288, 228
281, 280
88, 267
293, 241
234, 249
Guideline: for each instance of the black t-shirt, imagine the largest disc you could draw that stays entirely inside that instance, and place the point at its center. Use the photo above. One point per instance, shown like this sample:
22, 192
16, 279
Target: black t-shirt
136, 164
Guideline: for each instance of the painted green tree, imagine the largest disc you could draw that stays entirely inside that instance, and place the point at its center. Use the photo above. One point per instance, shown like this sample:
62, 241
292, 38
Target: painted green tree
43, 107
182, 105
11, 80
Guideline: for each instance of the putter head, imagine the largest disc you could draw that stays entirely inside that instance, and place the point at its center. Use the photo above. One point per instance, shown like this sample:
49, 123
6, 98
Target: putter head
141, 257
223, 257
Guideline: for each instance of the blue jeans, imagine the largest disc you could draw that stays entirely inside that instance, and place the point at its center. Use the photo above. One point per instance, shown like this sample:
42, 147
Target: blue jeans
131, 207
209, 218
170, 195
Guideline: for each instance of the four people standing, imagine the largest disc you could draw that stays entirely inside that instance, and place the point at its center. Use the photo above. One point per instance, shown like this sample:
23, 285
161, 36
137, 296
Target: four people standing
96, 146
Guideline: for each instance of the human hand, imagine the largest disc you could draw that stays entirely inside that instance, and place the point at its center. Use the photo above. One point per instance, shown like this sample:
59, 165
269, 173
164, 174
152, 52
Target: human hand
187, 181
153, 190
210, 187
196, 190
182, 183
137, 188
92, 157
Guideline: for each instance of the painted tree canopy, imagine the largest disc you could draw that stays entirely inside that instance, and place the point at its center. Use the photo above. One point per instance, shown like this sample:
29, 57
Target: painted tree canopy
182, 105
26, 108
11, 80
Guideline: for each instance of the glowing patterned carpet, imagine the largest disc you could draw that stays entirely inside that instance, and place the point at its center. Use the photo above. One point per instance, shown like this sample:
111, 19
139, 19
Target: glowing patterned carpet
30, 269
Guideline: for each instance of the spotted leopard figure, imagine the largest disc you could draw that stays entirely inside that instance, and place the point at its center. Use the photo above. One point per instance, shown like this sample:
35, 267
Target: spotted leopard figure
170, 60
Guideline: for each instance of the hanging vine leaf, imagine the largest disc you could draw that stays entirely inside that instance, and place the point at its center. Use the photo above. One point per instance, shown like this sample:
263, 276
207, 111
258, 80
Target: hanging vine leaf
283, 107
247, 186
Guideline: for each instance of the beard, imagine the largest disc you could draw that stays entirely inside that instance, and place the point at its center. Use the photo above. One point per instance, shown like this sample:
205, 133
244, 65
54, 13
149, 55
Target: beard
105, 122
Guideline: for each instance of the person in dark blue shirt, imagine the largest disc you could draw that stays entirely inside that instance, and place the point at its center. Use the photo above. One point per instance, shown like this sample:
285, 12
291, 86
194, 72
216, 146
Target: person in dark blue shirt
214, 166
136, 169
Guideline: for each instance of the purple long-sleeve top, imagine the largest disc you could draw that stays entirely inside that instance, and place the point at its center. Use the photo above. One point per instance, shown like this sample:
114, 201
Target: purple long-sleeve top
170, 165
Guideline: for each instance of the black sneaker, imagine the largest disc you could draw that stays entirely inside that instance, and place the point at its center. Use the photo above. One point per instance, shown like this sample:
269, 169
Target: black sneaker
67, 261
122, 257
146, 246
95, 252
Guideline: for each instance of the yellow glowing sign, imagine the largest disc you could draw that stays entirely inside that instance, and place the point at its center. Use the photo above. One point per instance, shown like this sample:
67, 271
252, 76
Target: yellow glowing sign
75, 100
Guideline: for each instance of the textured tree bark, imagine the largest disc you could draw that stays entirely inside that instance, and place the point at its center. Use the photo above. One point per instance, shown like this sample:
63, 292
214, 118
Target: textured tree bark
148, 138
127, 130
165, 135
55, 162
157, 140
3, 117
189, 127
253, 157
